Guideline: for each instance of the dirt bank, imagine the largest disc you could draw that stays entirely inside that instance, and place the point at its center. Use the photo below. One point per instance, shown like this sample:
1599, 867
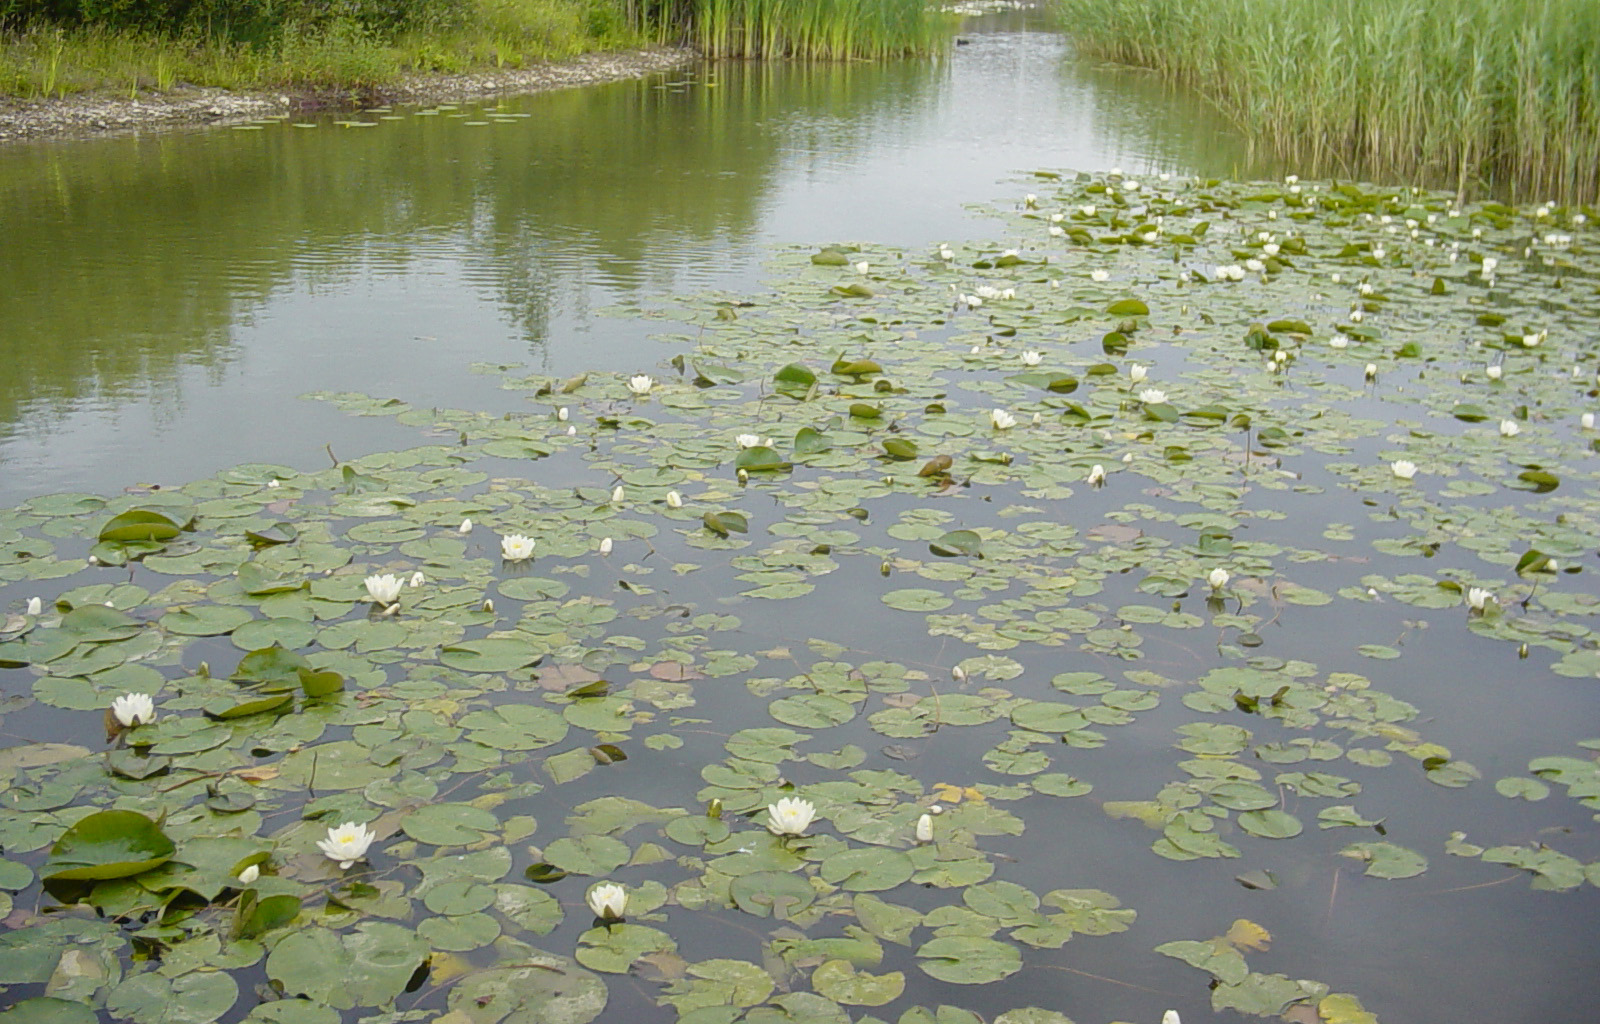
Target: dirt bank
88, 116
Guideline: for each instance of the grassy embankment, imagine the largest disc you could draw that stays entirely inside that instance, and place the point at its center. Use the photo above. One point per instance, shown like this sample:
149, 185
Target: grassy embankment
1476, 94
41, 58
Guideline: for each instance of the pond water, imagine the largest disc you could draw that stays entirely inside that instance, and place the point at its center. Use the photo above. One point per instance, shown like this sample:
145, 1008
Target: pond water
1318, 783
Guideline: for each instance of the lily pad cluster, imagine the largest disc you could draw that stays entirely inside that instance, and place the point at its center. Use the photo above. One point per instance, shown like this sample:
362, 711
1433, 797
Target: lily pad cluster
938, 542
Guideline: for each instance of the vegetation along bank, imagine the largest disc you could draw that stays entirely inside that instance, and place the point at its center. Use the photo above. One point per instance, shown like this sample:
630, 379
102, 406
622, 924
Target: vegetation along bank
1500, 95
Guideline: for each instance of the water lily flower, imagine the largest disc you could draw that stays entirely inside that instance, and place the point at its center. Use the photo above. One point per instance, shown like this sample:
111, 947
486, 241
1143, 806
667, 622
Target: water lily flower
1001, 419
1536, 339
925, 829
1097, 475
1231, 272
945, 253
1405, 469
641, 384
1271, 248
1254, 266
616, 495
563, 414
1356, 316
514, 547
748, 440
863, 267
465, 527
274, 482
1032, 358
1339, 341
1057, 218
1551, 565
1170, 1017
790, 816
347, 844
1137, 372
608, 900
972, 301
417, 579
572, 431
1030, 200
1218, 578
959, 674
1494, 372
1586, 421
249, 874
1152, 396
36, 606
605, 545
384, 589
1087, 211
1509, 428
488, 604
133, 709
1489, 262
1099, 275
1372, 371
743, 475
1379, 252
1478, 598
674, 499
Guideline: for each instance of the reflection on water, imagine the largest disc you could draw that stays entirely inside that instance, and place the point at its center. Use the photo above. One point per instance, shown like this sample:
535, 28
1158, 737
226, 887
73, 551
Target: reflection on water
168, 297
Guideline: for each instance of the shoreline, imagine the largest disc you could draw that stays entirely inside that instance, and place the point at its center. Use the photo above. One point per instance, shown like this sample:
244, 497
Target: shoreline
84, 117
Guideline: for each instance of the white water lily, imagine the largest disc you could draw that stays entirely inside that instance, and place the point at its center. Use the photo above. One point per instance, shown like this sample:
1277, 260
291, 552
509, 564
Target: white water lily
1170, 1017
1271, 248
617, 494
273, 483
790, 816
249, 874
347, 843
1535, 339
1586, 421
959, 674
946, 253
563, 414
1356, 316
384, 589
1489, 262
749, 440
925, 829
1339, 341
1218, 578
641, 384
1001, 420
133, 709
863, 267
605, 545
1087, 211
1137, 372
1097, 475
1152, 396
1231, 272
1510, 428
608, 900
514, 547
465, 527
36, 606
674, 499
1030, 200
1030, 357
417, 579
1494, 372
1099, 275
1372, 371
1478, 598
1405, 469
1254, 266
972, 301
1057, 218
1365, 288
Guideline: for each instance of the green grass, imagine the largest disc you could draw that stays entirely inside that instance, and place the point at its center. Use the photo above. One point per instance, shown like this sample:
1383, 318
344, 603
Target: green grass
1498, 95
56, 61
815, 29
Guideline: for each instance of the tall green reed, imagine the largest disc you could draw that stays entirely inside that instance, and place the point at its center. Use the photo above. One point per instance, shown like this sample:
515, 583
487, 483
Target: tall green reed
1495, 95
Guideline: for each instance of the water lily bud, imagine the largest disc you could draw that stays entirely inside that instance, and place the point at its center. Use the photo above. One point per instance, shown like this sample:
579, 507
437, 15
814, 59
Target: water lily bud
605, 545
935, 809
1586, 421
714, 808
925, 829
863, 267
249, 874
417, 579
272, 483
1097, 475
1170, 1017
563, 414
93, 560
465, 527
1522, 652
572, 431
1372, 371
1127, 457
674, 499
616, 495
608, 900
1551, 565
744, 475
883, 568
1494, 372
959, 674
36, 606
488, 604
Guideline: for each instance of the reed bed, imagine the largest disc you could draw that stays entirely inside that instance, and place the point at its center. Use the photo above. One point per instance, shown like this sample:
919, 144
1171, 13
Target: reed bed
815, 29
1495, 95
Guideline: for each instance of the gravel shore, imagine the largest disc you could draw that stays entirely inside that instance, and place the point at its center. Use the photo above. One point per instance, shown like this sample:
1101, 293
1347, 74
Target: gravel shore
89, 116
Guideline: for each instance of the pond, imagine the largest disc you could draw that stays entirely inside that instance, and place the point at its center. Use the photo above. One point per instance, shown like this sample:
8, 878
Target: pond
1165, 592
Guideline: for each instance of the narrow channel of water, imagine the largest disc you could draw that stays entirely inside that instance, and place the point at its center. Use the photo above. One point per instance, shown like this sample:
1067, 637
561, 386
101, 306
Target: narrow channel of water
168, 297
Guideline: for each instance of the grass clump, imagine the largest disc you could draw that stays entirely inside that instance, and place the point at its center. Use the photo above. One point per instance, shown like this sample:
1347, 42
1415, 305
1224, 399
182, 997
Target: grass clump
1501, 95
44, 58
